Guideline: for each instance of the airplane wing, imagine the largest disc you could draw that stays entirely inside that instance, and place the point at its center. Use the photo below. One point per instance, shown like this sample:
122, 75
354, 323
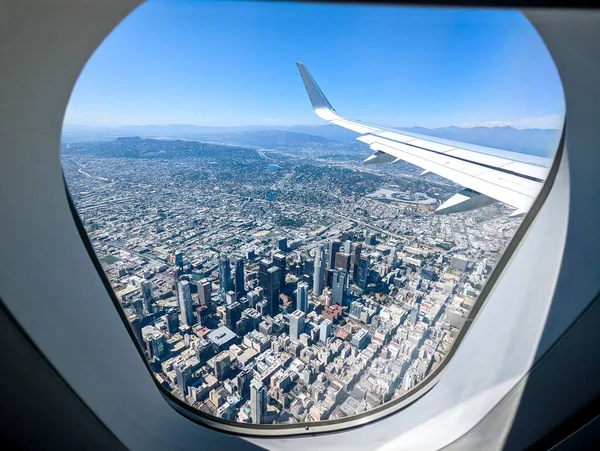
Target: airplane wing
487, 177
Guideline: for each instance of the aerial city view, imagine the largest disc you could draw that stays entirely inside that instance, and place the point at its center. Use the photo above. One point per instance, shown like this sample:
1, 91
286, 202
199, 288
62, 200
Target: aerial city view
311, 289
267, 274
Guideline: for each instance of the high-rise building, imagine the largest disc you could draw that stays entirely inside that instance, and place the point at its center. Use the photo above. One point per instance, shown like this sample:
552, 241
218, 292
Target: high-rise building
225, 282
136, 326
231, 297
156, 347
253, 298
233, 313
356, 250
296, 324
272, 290
325, 329
340, 277
222, 364
319, 272
334, 248
146, 286
172, 320
348, 246
342, 261
183, 373
279, 262
239, 277
204, 291
263, 267
179, 259
302, 297
185, 303
258, 401
282, 244
362, 273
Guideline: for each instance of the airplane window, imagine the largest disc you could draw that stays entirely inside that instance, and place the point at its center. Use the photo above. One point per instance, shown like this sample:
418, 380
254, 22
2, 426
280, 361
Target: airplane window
279, 258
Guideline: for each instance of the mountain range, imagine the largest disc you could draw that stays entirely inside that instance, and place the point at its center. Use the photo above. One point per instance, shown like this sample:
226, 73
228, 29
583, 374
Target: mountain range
539, 142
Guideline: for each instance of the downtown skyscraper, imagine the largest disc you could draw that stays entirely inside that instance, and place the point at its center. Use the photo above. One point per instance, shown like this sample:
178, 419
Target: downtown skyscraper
319, 272
225, 282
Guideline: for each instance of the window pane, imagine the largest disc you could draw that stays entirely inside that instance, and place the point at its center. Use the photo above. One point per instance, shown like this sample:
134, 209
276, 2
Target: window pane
268, 275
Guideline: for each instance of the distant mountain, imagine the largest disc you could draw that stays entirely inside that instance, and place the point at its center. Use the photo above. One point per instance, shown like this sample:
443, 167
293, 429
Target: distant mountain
533, 141
539, 142
136, 147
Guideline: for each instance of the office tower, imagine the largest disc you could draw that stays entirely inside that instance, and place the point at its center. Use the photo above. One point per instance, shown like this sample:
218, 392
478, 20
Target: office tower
185, 303
233, 313
177, 272
146, 286
204, 291
263, 267
325, 329
179, 259
342, 261
136, 326
279, 262
156, 347
225, 282
172, 320
272, 290
302, 297
222, 364
356, 249
319, 273
239, 277
362, 273
253, 298
258, 401
183, 373
231, 297
334, 248
296, 324
339, 286
282, 244
347, 246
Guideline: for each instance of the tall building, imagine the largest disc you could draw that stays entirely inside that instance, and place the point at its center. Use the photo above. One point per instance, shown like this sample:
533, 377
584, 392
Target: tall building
258, 401
233, 313
348, 246
302, 297
356, 250
296, 324
156, 346
319, 273
334, 248
340, 277
360, 339
263, 267
222, 364
231, 297
272, 291
253, 298
362, 273
279, 262
147, 296
239, 277
183, 373
172, 320
204, 291
282, 244
325, 329
179, 259
225, 282
136, 326
185, 303
342, 261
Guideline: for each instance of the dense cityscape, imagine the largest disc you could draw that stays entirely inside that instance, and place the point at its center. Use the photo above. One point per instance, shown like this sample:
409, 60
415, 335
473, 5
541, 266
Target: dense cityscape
282, 286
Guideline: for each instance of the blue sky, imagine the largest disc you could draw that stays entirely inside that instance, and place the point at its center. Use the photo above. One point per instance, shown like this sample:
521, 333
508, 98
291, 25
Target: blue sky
232, 63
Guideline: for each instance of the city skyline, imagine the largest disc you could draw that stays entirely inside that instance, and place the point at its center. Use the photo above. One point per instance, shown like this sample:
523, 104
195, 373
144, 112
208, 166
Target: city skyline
431, 67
